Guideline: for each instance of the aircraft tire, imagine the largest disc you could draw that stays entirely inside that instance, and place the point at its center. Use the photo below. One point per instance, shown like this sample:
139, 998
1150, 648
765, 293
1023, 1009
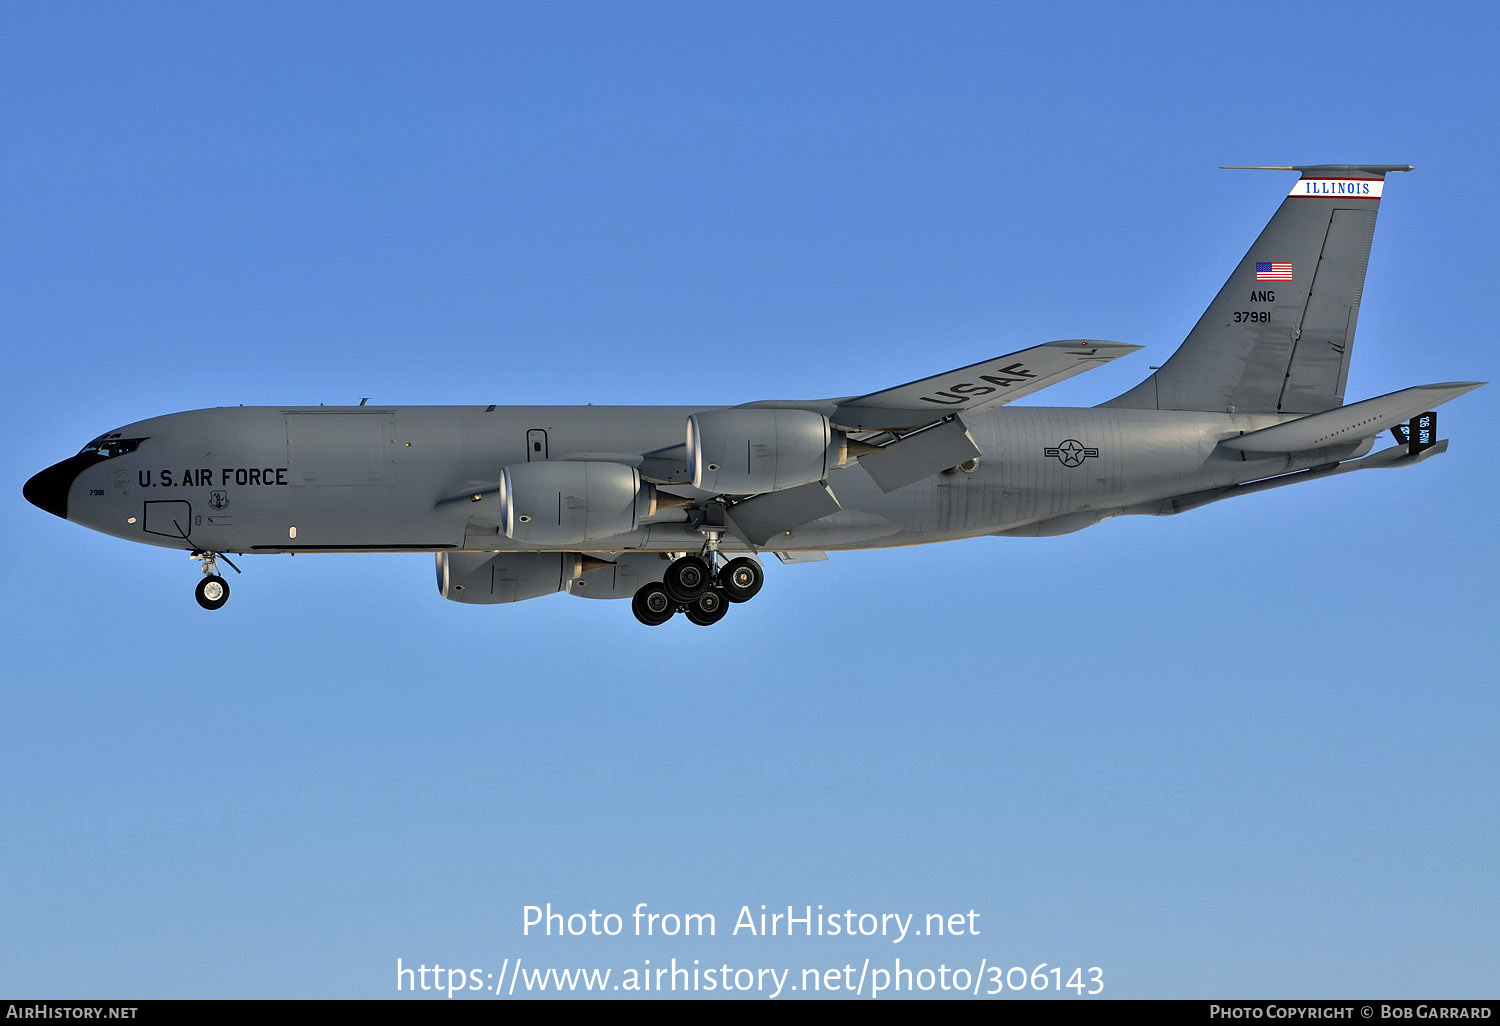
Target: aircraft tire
687, 579
709, 609
741, 579
652, 605
212, 592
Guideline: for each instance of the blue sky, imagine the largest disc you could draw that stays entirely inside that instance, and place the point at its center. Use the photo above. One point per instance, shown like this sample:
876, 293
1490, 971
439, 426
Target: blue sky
1248, 751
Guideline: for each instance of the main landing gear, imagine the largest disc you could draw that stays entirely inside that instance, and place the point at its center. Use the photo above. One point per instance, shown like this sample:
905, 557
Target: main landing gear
213, 591
699, 589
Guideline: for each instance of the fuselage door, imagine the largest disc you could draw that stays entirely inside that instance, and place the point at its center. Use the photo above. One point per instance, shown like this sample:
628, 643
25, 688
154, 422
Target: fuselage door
171, 518
341, 448
536, 445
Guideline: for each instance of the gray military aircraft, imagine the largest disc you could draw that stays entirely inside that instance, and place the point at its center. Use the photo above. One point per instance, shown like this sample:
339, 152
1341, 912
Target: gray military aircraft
667, 505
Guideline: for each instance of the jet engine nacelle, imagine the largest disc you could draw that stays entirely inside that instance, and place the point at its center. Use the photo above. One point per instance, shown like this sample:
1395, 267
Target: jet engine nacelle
481, 578
746, 451
556, 502
619, 579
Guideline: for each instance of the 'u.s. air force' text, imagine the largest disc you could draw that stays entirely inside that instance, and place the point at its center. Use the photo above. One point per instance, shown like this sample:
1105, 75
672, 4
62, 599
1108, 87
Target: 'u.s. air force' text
203, 477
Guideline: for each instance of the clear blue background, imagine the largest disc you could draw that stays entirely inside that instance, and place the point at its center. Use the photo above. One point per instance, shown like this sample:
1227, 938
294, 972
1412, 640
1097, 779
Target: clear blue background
1249, 751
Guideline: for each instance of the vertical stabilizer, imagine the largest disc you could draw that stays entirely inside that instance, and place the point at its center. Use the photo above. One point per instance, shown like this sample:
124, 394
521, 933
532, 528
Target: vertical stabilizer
1278, 336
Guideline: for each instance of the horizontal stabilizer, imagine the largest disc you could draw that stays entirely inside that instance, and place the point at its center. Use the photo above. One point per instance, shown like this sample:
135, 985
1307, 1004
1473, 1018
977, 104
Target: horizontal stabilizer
976, 387
920, 455
1350, 423
761, 518
1323, 171
1385, 459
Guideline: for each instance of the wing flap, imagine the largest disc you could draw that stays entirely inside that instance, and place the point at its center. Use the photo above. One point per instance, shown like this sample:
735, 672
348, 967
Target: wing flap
920, 455
763, 517
791, 558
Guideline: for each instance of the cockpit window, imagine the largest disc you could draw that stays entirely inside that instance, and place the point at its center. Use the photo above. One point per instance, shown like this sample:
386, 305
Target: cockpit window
109, 446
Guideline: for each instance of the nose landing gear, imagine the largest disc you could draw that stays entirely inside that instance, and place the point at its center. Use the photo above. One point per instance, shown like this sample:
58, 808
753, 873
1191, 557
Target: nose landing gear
212, 591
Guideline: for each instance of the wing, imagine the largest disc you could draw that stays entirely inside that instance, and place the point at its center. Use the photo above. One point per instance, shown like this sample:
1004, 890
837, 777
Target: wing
922, 417
976, 387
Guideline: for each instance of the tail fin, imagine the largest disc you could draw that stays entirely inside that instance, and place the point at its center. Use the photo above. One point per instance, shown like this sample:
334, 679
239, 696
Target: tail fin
1278, 336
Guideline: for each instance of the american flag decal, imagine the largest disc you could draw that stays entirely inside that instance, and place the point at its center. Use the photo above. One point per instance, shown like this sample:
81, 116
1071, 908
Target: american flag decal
1275, 270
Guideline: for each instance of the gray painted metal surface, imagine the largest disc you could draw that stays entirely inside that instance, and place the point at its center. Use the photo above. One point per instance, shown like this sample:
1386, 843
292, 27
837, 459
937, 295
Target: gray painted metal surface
1279, 335
518, 502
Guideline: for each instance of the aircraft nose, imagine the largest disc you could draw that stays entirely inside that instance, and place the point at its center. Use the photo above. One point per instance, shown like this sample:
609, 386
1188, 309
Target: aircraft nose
48, 490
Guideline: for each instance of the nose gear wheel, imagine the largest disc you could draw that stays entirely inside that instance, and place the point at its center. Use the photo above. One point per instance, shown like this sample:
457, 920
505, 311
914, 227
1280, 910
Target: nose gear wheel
212, 591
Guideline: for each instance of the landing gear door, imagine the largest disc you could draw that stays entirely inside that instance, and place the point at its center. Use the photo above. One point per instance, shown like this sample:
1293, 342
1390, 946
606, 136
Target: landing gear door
170, 518
536, 445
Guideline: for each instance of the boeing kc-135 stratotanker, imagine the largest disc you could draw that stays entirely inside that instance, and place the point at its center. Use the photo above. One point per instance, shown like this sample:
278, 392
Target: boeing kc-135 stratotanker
668, 505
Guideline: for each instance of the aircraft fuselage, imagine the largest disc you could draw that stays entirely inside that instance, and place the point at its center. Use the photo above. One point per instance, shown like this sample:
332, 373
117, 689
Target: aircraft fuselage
423, 478
520, 502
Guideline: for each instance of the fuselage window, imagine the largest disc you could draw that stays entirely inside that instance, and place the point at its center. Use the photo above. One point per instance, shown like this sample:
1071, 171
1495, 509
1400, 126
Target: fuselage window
109, 448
